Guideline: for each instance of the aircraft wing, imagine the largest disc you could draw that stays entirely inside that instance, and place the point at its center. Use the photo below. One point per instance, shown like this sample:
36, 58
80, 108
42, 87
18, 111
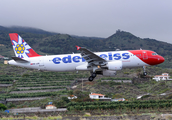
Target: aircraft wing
90, 57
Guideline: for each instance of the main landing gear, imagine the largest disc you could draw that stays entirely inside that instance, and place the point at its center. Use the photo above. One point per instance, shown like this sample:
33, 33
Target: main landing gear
93, 75
144, 71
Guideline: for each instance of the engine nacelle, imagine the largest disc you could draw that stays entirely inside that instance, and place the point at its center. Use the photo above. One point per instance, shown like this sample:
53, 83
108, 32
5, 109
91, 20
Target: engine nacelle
108, 73
114, 65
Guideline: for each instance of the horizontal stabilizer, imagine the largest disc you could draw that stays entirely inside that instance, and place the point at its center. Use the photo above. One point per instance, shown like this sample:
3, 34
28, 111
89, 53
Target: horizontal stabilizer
20, 60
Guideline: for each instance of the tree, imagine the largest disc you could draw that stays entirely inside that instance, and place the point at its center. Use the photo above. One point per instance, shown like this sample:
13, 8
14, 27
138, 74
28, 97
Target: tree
65, 99
117, 95
81, 96
70, 93
62, 102
2, 107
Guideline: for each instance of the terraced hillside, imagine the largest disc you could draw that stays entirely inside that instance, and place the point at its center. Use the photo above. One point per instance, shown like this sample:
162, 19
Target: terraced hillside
21, 83
33, 88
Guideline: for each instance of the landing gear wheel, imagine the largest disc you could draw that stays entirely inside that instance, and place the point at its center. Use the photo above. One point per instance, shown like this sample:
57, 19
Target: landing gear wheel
91, 78
144, 73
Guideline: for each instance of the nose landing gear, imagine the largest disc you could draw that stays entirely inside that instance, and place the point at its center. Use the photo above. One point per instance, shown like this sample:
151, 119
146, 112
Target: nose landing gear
144, 71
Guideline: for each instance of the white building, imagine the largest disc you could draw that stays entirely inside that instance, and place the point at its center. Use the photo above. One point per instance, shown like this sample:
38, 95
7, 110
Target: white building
96, 96
164, 76
50, 107
72, 97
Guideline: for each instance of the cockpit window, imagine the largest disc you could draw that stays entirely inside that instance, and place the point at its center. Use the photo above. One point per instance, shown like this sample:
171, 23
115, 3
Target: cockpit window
154, 54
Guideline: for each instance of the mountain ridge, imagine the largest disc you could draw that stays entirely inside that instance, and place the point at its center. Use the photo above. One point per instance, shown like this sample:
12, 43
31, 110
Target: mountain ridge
44, 42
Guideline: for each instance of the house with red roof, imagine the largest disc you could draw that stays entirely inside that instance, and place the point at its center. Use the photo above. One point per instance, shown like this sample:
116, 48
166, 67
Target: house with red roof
164, 76
97, 96
72, 97
50, 107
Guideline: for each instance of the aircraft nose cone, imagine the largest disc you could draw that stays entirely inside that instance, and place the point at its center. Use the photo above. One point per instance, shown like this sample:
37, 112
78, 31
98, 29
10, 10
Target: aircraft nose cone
161, 59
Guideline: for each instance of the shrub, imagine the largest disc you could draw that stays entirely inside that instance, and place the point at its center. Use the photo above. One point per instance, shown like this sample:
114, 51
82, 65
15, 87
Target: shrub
2, 107
117, 95
145, 96
25, 75
65, 99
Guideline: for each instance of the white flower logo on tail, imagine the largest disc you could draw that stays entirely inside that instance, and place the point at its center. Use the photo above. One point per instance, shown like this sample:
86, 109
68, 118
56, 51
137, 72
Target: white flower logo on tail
21, 48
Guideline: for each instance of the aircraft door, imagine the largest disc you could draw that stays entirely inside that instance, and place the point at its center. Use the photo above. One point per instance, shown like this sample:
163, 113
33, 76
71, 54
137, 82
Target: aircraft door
41, 63
145, 56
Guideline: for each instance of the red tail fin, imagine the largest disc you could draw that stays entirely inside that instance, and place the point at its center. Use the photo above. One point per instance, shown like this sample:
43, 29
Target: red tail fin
20, 47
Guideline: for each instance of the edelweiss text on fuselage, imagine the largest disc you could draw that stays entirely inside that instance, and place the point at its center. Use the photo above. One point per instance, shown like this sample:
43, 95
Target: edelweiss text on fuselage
76, 59
97, 63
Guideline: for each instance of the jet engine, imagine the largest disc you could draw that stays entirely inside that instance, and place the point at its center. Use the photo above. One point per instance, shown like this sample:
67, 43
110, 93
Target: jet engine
114, 65
108, 73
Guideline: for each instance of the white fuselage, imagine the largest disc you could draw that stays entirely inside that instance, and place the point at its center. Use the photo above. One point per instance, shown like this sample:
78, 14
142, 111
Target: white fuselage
69, 62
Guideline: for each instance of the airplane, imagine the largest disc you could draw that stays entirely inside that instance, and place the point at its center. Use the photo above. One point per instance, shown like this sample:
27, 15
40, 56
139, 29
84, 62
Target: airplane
98, 63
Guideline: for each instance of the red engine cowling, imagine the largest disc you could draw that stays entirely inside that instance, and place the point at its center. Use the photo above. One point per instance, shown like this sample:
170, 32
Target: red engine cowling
114, 65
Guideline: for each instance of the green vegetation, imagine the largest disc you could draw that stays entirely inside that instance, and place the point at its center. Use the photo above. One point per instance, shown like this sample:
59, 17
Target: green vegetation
37, 94
41, 84
62, 102
2, 107
153, 104
32, 83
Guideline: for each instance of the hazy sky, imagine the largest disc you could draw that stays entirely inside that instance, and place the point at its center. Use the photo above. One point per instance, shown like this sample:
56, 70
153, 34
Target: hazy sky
95, 18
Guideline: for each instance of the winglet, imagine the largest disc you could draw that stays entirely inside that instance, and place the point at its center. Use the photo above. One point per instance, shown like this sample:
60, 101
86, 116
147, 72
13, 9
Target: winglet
78, 47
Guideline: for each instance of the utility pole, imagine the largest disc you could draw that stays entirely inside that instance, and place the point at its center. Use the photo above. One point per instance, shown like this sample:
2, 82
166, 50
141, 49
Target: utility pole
82, 84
